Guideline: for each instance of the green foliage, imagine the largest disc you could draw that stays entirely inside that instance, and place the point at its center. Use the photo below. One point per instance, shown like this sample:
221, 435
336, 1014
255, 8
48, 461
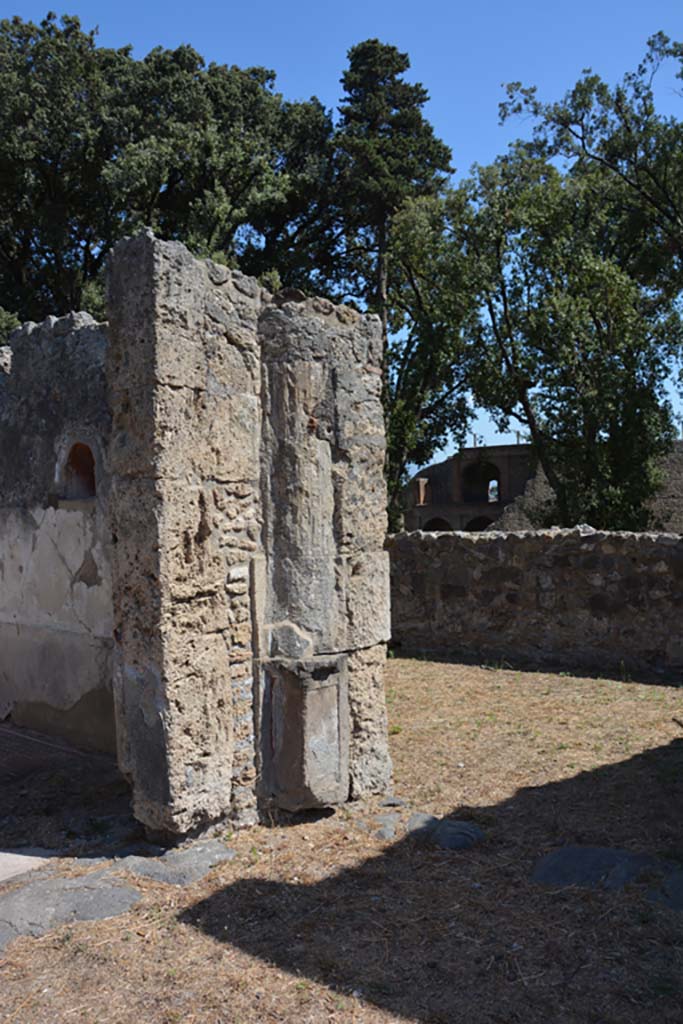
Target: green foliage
8, 321
426, 374
386, 159
547, 292
618, 130
565, 341
96, 144
386, 153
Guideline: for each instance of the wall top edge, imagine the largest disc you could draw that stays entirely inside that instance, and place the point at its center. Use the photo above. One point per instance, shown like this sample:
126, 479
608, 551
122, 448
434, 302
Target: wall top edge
583, 532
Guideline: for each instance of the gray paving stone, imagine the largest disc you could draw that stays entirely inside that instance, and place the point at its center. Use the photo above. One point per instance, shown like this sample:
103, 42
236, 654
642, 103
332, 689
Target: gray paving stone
47, 903
393, 801
180, 867
421, 824
450, 834
604, 867
591, 867
389, 820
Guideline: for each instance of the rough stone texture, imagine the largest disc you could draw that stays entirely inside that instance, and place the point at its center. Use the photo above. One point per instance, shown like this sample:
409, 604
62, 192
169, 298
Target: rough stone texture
248, 516
184, 379
306, 718
42, 905
55, 585
14, 863
219, 608
438, 497
572, 598
180, 867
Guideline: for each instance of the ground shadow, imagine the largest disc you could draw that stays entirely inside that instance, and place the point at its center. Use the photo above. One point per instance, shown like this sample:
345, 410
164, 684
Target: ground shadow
61, 799
444, 936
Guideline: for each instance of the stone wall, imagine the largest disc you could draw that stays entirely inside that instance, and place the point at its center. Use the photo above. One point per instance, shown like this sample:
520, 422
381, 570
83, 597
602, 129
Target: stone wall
250, 585
192, 519
573, 599
55, 585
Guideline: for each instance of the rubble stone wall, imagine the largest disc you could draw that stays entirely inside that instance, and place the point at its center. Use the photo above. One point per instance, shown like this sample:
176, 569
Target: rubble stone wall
573, 599
55, 583
248, 520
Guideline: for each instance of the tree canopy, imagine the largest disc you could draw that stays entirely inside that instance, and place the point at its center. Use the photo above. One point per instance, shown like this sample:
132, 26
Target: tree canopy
545, 288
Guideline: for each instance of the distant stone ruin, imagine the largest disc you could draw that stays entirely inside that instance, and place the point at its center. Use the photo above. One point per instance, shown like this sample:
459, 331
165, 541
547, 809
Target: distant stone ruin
192, 520
499, 487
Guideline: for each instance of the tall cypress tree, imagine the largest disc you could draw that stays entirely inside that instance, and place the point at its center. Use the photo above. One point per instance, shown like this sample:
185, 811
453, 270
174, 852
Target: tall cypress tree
387, 153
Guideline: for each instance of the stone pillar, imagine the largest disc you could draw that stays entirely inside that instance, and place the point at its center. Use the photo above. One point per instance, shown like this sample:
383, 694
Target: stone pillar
324, 507
250, 585
183, 373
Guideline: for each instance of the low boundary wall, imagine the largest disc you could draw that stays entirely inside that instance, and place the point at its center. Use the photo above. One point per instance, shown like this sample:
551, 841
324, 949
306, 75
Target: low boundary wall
574, 599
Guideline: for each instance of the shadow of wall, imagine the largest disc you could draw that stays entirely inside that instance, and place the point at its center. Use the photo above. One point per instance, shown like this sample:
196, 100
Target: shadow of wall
440, 936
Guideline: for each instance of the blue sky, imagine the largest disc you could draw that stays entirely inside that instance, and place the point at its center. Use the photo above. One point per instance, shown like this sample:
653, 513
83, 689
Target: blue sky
462, 52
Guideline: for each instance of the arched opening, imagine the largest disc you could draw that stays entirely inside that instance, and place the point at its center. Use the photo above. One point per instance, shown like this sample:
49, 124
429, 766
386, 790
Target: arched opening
478, 524
481, 483
79, 473
436, 525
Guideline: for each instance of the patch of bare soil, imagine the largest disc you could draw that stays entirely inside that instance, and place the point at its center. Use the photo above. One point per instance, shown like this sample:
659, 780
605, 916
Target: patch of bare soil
324, 921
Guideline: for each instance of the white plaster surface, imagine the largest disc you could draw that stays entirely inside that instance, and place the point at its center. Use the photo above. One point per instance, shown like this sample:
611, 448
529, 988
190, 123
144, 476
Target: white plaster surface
19, 861
55, 606
42, 553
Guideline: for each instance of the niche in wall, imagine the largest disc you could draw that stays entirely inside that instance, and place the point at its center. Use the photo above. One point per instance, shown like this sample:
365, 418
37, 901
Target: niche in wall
79, 480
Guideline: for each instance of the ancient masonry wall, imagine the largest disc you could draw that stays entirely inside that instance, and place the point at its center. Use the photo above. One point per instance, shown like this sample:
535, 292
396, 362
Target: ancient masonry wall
574, 599
247, 512
55, 584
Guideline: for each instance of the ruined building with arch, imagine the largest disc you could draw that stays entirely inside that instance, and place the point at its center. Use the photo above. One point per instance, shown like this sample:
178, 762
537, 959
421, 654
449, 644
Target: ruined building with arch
498, 487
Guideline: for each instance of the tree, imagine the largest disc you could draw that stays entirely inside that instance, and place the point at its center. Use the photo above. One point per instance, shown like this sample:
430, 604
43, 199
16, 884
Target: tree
94, 144
565, 341
430, 298
619, 130
386, 154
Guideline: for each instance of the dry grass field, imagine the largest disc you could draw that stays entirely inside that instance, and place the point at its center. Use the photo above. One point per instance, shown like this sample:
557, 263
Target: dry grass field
319, 920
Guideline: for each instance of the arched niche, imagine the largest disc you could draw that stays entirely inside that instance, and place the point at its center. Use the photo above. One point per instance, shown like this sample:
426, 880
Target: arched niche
481, 483
478, 524
79, 477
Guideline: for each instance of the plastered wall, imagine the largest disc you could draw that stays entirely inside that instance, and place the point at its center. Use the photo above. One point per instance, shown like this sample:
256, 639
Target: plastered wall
55, 582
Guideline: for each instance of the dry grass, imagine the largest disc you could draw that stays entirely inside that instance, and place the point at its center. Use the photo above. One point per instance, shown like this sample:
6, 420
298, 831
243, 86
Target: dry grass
322, 921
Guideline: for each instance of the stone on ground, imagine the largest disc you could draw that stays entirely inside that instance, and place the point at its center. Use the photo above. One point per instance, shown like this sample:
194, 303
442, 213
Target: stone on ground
446, 833
180, 867
48, 903
604, 867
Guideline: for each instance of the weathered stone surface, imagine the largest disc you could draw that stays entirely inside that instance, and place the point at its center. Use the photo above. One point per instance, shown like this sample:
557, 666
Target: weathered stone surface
236, 536
603, 867
446, 833
14, 863
573, 598
45, 904
450, 834
180, 867
421, 824
55, 583
306, 718
369, 759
